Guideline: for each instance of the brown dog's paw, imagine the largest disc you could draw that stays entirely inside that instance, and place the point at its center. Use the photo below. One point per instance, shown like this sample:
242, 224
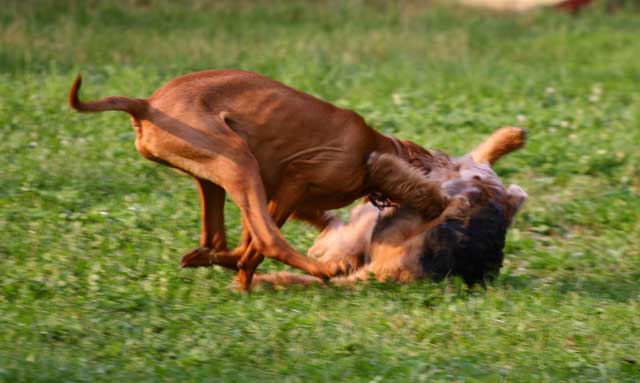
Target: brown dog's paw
340, 267
198, 257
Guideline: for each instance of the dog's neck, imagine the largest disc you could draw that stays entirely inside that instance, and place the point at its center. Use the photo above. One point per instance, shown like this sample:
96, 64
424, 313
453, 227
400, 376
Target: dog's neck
391, 145
403, 149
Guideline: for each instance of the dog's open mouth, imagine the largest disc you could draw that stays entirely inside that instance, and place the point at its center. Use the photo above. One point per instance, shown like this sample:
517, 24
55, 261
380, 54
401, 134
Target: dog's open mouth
381, 200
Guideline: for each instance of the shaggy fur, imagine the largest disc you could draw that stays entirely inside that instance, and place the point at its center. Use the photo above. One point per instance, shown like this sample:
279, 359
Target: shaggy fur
466, 239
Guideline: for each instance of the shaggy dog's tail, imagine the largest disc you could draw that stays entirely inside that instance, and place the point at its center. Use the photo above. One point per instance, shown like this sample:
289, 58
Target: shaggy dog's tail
502, 142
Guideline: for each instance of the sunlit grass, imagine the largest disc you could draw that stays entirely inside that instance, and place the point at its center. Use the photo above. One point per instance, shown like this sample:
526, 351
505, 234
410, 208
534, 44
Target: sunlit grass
90, 288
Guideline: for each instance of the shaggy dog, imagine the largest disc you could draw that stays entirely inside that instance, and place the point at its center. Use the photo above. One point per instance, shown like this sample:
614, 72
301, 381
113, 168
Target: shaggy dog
398, 243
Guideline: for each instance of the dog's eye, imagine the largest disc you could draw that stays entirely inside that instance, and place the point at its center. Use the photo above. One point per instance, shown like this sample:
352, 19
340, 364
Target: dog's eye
477, 178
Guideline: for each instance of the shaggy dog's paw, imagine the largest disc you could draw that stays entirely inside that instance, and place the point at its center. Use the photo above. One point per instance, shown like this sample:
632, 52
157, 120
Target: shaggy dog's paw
329, 240
341, 248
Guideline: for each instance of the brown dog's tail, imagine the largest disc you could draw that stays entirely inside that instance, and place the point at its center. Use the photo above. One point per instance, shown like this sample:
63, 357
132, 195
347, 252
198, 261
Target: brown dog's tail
136, 107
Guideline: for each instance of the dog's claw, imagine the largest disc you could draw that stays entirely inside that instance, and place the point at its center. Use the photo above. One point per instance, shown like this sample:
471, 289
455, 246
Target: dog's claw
337, 268
344, 268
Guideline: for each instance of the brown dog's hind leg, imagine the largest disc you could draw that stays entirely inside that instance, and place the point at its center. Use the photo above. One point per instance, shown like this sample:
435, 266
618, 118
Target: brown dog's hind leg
213, 242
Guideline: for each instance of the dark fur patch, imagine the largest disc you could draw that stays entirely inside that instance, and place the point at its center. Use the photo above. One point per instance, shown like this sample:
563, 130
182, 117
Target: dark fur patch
472, 251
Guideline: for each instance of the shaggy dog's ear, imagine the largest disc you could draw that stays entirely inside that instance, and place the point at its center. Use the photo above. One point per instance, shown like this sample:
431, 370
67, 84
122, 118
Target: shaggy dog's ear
502, 142
515, 197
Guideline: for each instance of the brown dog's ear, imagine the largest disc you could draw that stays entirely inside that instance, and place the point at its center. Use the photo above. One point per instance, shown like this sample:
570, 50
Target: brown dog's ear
515, 197
503, 141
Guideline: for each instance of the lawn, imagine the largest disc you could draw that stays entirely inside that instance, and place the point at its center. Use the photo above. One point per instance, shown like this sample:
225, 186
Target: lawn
91, 233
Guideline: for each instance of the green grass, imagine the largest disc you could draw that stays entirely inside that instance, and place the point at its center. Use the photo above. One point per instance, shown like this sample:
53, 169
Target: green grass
91, 233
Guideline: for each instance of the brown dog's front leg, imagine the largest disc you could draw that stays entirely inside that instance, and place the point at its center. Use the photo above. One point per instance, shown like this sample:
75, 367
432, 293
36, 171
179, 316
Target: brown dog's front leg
405, 184
224, 158
318, 218
245, 240
280, 207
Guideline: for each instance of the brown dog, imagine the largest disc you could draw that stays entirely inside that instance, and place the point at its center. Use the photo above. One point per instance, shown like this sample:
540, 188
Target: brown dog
259, 140
400, 244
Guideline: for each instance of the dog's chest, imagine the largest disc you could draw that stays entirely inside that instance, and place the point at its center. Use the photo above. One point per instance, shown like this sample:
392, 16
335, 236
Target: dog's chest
397, 261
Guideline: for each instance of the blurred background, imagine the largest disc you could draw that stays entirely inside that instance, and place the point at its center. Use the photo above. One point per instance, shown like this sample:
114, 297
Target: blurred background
91, 233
